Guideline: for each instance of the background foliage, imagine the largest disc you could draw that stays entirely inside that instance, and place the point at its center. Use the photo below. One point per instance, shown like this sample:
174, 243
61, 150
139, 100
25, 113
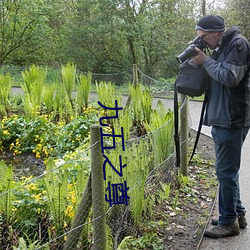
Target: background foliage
106, 36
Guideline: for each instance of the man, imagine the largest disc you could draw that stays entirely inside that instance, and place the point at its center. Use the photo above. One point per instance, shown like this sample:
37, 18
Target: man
228, 112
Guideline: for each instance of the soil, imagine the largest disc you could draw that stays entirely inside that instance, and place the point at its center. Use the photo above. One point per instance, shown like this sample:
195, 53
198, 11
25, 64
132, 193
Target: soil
188, 221
25, 164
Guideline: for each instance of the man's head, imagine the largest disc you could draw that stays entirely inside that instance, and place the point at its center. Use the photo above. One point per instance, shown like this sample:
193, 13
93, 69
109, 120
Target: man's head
211, 28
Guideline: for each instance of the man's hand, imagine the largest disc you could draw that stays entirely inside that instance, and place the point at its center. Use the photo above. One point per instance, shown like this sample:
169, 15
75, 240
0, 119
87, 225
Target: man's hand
200, 58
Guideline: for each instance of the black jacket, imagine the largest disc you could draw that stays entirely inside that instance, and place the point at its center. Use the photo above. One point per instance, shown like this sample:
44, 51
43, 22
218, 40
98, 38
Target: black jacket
229, 90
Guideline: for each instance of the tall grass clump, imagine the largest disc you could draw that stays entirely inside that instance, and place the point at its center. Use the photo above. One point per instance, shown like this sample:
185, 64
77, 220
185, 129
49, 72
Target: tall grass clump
48, 97
6, 184
141, 106
68, 74
5, 90
137, 157
33, 85
83, 91
161, 129
107, 95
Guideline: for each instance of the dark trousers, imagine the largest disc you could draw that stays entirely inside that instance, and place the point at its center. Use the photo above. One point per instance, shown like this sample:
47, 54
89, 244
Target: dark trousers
228, 145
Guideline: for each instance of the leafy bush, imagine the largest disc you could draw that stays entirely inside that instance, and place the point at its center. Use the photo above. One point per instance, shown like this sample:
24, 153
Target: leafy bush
41, 136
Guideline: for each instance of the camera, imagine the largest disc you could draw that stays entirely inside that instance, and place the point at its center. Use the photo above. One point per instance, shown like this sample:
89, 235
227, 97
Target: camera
190, 51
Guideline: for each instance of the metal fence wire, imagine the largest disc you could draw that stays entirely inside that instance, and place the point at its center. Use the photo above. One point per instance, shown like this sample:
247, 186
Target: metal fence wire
69, 205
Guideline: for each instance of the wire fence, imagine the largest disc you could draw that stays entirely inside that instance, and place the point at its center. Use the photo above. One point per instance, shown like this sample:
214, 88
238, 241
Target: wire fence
67, 207
158, 87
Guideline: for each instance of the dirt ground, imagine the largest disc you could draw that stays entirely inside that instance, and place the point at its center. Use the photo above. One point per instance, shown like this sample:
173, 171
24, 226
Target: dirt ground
187, 223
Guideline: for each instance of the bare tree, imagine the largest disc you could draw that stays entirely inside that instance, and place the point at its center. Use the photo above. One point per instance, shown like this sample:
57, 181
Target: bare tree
20, 22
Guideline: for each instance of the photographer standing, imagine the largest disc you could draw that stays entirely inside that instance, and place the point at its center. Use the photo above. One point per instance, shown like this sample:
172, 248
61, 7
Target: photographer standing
228, 112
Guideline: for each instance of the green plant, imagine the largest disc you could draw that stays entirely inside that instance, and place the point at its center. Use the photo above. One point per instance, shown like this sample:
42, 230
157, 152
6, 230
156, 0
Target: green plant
176, 199
68, 74
147, 241
73, 134
161, 127
42, 136
6, 196
48, 98
164, 191
14, 71
107, 96
34, 81
28, 245
124, 121
5, 90
58, 102
56, 187
137, 158
64, 183
30, 208
6, 205
141, 109
23, 134
83, 91
136, 178
184, 181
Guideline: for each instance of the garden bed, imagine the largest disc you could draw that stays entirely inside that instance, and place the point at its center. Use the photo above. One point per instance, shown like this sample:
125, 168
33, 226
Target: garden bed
177, 222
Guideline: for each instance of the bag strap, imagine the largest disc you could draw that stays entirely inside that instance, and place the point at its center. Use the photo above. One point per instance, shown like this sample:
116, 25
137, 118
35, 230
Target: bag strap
176, 126
199, 127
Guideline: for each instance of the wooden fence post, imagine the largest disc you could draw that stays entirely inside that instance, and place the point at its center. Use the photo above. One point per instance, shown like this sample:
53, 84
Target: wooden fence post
98, 192
135, 74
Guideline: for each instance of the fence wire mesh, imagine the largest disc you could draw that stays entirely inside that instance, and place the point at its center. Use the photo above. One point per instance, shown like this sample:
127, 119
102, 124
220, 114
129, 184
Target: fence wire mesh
52, 209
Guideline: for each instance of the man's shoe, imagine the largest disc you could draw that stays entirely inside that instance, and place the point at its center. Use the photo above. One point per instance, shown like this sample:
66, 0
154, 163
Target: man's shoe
221, 231
241, 219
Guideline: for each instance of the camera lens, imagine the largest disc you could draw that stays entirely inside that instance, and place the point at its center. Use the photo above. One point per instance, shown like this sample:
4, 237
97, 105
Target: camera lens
190, 51
187, 53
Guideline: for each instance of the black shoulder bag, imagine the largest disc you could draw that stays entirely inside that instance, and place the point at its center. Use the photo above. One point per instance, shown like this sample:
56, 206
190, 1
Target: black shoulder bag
191, 81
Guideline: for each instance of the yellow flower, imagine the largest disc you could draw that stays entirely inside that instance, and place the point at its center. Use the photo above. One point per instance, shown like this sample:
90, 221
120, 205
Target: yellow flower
45, 151
37, 196
73, 199
14, 209
38, 156
17, 152
6, 132
31, 187
103, 112
69, 211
